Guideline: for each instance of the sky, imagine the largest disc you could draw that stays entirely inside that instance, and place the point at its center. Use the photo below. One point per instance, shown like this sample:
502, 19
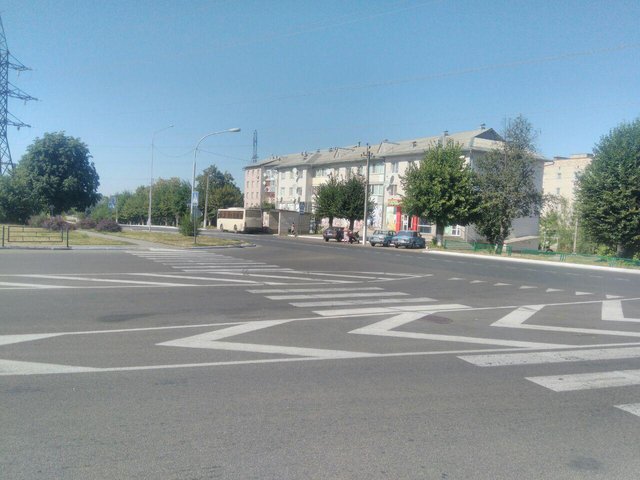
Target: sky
309, 74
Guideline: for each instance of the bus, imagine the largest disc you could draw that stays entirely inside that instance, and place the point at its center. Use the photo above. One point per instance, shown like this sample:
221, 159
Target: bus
239, 220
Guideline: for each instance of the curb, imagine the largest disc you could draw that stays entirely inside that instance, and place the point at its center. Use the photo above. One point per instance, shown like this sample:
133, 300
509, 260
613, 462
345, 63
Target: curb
537, 262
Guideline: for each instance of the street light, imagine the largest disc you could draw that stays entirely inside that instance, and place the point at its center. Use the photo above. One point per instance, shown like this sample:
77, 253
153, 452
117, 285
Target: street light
193, 178
153, 137
366, 196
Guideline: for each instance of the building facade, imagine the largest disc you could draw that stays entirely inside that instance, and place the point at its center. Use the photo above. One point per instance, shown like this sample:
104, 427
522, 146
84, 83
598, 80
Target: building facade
561, 176
289, 180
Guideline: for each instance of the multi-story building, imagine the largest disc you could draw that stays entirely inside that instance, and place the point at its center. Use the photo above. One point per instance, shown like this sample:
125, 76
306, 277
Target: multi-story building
291, 179
561, 175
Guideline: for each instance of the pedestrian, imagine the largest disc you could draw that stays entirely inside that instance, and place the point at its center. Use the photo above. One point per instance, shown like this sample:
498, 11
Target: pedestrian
293, 228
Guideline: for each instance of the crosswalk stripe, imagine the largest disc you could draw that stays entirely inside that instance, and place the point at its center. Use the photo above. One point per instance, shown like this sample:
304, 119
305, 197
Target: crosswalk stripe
368, 301
307, 290
397, 310
536, 358
28, 285
335, 295
108, 280
587, 381
633, 408
191, 277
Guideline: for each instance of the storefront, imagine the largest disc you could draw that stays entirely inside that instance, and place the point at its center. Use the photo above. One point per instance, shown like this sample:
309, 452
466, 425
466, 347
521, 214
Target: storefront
396, 220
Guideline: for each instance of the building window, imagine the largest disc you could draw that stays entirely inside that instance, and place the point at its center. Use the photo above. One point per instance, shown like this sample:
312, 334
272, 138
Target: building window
299, 191
291, 191
456, 231
558, 191
376, 168
424, 226
559, 175
281, 192
394, 167
393, 189
376, 189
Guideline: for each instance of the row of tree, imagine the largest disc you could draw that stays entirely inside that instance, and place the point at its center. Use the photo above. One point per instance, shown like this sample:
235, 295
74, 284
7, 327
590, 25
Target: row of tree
56, 175
341, 198
500, 187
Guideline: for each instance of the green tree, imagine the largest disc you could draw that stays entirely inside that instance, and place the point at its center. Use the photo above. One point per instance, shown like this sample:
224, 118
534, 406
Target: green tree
223, 191
441, 188
17, 201
58, 172
328, 199
352, 200
609, 191
506, 182
170, 200
133, 207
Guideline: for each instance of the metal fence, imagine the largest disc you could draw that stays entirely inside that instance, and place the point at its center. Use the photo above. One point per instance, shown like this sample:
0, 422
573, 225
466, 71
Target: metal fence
16, 234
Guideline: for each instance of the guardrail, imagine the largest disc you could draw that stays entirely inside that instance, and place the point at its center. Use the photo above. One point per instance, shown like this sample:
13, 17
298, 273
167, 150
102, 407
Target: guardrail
16, 234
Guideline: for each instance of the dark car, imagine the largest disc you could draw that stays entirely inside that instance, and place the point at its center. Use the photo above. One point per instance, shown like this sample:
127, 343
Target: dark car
381, 237
408, 239
333, 233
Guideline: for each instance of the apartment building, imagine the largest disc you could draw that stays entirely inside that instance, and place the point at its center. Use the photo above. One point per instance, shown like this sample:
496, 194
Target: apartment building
286, 181
561, 175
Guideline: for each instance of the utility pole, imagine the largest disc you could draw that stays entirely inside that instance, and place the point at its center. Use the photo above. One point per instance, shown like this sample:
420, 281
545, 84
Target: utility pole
366, 195
8, 61
254, 158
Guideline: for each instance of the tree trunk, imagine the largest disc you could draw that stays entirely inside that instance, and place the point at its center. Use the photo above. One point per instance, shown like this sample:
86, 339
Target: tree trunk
439, 233
622, 251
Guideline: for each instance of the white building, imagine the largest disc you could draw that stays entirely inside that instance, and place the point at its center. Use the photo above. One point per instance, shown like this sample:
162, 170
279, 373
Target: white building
561, 176
286, 181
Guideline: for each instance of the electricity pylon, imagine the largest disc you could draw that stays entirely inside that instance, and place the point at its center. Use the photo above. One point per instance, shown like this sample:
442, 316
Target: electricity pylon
8, 61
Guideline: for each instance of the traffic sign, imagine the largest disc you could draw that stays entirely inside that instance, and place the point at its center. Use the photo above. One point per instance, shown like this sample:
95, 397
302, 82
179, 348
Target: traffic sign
302, 207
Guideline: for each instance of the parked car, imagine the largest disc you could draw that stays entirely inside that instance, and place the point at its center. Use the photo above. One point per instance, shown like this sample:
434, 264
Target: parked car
408, 239
333, 233
381, 237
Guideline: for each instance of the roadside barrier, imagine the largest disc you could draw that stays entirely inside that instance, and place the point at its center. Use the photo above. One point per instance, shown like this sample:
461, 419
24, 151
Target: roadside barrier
18, 234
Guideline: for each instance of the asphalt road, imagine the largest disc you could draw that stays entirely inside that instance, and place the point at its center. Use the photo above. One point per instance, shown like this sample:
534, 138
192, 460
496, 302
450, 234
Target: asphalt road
299, 359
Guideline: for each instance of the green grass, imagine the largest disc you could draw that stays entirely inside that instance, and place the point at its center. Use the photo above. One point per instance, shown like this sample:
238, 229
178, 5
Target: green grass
45, 238
176, 239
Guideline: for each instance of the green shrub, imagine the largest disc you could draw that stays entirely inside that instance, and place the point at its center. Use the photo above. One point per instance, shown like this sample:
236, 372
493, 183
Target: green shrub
108, 225
186, 226
86, 223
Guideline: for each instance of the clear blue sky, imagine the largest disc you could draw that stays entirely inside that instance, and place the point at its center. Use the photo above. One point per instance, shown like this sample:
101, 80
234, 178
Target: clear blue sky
313, 74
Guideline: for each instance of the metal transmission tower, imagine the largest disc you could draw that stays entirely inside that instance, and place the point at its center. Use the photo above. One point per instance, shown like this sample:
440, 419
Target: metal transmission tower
254, 159
8, 61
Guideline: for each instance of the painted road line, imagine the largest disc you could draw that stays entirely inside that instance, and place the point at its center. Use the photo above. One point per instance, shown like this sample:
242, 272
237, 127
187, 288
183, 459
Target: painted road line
633, 408
537, 358
583, 293
27, 337
549, 290
421, 309
385, 328
588, 381
190, 277
336, 295
14, 285
13, 367
368, 301
211, 340
612, 311
311, 290
106, 280
282, 277
501, 284
518, 316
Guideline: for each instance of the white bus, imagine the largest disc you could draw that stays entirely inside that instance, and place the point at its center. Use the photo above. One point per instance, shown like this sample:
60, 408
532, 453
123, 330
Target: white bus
239, 220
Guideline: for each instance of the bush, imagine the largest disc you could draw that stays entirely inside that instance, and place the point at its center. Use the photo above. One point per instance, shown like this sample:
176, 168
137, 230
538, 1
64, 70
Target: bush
37, 220
86, 223
107, 225
57, 223
186, 226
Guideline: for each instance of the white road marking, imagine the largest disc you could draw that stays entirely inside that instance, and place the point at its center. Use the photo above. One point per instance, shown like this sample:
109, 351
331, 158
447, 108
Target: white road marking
384, 329
583, 293
14, 367
517, 318
27, 337
609, 297
549, 290
537, 358
633, 408
106, 280
211, 340
478, 281
368, 301
307, 290
399, 309
455, 278
335, 295
501, 284
612, 311
588, 381
526, 287
283, 277
14, 286
190, 277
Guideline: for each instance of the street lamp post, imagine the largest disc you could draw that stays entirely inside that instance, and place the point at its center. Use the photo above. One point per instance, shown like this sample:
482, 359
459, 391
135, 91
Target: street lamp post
366, 196
153, 137
193, 178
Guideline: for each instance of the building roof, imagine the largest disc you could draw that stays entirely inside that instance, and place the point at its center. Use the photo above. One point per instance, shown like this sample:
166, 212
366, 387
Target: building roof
482, 139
